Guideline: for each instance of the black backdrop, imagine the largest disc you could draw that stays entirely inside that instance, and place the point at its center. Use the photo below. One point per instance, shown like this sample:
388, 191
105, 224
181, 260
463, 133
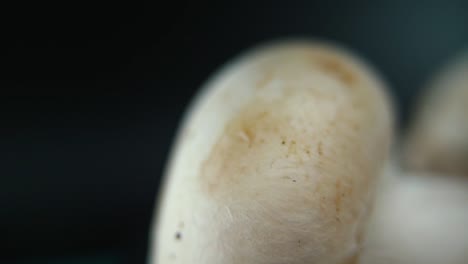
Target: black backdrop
93, 94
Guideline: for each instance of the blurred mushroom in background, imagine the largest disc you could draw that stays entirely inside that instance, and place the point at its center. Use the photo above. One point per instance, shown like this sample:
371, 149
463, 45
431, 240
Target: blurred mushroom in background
437, 139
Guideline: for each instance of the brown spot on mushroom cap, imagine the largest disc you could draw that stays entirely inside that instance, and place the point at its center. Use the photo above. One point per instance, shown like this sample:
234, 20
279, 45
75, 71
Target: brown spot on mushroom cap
244, 138
354, 259
240, 166
247, 135
335, 66
247, 149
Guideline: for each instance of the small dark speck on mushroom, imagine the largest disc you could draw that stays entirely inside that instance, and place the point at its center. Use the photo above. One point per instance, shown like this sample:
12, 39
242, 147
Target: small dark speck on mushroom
294, 180
178, 236
283, 142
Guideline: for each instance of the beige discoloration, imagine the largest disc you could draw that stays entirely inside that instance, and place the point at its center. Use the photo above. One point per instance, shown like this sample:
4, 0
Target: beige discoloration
352, 260
265, 79
335, 66
282, 167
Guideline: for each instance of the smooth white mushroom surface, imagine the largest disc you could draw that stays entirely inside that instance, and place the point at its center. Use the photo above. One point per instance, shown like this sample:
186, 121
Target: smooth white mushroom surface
276, 161
438, 136
418, 218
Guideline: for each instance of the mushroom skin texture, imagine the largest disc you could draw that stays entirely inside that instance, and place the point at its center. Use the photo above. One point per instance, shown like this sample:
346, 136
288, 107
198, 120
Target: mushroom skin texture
276, 161
437, 140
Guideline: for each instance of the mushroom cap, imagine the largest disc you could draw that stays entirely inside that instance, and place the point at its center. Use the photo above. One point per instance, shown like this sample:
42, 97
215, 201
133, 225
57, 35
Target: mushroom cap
437, 139
276, 160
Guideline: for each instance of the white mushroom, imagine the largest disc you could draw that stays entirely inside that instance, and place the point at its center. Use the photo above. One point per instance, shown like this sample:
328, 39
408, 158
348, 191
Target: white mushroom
419, 218
276, 161
438, 138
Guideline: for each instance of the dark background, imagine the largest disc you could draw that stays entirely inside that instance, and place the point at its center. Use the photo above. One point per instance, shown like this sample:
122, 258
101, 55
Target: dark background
93, 95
